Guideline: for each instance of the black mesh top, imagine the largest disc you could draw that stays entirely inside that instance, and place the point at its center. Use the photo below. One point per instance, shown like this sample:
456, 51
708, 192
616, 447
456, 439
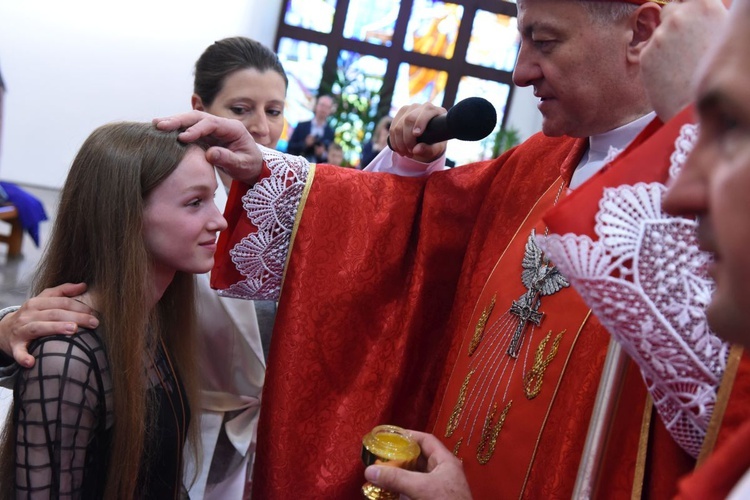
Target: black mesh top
63, 418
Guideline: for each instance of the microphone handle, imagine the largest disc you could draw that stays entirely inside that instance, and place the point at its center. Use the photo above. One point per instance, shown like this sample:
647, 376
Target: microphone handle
436, 131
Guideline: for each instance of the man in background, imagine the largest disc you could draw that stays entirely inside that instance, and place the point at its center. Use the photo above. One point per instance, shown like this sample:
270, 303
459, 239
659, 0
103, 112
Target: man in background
311, 138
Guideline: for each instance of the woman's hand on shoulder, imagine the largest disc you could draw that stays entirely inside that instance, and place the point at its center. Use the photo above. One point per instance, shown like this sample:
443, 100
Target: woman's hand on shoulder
54, 311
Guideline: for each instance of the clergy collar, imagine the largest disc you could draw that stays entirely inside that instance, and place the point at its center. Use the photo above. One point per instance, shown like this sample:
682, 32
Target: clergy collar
603, 146
620, 137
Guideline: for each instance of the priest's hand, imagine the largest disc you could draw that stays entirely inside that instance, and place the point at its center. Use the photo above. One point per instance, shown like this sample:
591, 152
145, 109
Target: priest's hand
440, 474
678, 45
408, 124
232, 148
54, 311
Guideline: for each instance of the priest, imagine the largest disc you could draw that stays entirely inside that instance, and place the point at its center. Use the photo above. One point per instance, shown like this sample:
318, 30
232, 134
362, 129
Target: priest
426, 303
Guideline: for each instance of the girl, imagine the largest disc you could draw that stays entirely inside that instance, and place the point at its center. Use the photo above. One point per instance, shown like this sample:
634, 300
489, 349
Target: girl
105, 413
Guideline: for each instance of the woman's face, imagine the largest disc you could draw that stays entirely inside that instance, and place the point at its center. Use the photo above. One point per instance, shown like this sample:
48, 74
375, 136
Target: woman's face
256, 99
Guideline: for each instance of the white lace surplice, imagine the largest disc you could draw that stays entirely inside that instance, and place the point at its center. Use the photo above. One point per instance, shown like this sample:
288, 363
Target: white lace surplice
645, 279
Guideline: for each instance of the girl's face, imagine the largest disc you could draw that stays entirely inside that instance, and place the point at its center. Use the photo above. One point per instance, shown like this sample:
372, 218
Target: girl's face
256, 99
180, 219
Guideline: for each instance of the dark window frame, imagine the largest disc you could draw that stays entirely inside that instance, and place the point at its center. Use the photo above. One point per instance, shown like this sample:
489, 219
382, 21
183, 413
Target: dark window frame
395, 54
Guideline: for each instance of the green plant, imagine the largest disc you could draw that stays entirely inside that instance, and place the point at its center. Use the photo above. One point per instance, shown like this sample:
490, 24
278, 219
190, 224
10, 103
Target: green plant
358, 108
505, 139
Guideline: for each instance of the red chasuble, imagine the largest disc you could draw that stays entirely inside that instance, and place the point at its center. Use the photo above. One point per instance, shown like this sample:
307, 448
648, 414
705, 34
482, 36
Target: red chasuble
387, 285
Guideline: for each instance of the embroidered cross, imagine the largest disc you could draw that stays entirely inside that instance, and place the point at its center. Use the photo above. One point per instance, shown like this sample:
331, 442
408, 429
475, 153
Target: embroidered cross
527, 310
540, 278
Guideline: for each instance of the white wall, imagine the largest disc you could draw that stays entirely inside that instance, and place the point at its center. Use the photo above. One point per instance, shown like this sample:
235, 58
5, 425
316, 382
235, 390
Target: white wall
70, 66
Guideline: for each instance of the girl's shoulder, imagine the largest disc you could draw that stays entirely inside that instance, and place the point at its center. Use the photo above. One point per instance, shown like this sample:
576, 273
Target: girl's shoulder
70, 356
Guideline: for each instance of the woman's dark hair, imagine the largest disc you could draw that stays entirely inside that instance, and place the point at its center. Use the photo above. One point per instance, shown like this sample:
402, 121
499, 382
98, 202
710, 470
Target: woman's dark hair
226, 56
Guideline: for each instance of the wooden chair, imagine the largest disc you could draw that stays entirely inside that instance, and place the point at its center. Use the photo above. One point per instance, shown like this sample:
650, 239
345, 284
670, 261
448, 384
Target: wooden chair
9, 214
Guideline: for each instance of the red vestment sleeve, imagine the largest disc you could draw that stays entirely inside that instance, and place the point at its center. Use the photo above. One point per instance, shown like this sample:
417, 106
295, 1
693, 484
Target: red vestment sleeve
224, 273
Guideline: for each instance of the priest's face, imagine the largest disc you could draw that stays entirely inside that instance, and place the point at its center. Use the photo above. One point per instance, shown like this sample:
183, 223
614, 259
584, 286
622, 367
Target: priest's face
715, 182
576, 66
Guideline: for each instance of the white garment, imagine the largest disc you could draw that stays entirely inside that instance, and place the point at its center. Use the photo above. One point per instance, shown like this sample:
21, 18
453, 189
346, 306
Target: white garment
232, 371
604, 147
741, 490
392, 163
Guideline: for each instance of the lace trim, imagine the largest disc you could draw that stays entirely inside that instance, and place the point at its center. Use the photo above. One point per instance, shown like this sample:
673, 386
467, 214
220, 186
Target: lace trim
645, 279
612, 154
271, 205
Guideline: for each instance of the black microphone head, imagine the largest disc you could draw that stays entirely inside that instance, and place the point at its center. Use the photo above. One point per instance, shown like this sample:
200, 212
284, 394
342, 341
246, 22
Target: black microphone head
472, 119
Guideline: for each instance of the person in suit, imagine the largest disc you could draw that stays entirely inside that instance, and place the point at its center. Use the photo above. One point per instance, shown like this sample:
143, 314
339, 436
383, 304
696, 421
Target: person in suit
314, 132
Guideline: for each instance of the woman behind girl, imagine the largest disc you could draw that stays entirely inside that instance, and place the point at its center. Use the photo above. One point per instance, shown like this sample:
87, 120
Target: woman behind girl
105, 413
241, 79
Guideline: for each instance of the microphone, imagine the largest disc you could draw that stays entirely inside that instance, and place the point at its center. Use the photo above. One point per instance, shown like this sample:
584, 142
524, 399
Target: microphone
469, 120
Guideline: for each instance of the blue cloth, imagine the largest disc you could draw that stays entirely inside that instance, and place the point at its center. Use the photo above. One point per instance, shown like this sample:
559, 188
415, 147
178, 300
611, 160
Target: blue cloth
30, 209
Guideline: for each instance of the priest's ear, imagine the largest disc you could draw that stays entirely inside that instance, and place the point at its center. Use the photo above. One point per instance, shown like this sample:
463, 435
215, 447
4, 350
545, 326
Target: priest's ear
642, 23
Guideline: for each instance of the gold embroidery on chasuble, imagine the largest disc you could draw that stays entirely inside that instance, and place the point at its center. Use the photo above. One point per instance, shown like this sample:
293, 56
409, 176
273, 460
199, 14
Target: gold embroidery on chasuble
479, 329
532, 380
494, 399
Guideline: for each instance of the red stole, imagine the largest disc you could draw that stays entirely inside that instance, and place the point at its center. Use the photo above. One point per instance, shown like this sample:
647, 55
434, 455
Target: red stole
500, 405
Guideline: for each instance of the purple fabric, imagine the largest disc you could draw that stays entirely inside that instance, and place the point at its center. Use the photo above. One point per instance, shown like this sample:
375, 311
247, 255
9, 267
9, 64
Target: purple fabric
30, 209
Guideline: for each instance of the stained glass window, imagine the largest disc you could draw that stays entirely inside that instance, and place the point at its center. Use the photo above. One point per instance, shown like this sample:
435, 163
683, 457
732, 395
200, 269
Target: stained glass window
418, 84
310, 14
494, 41
372, 21
359, 80
463, 152
303, 62
376, 56
433, 28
